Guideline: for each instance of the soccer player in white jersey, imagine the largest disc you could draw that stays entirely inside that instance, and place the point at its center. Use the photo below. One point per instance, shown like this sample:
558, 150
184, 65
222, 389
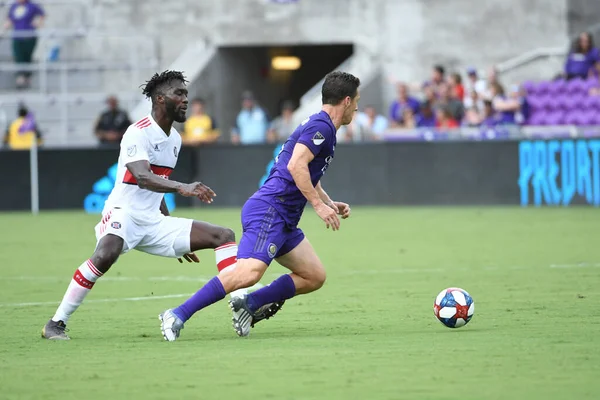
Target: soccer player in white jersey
135, 215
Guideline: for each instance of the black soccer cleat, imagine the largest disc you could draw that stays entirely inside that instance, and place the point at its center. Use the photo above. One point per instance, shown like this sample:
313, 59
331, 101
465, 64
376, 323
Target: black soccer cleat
266, 312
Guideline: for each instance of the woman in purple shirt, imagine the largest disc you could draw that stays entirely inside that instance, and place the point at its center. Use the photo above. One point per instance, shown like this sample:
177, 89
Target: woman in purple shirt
24, 17
583, 59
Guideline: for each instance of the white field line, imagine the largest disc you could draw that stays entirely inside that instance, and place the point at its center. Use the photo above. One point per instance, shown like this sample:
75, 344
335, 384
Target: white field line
578, 265
111, 279
116, 300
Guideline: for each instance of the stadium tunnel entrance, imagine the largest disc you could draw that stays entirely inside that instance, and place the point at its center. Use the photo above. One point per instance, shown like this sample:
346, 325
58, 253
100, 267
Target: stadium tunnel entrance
271, 73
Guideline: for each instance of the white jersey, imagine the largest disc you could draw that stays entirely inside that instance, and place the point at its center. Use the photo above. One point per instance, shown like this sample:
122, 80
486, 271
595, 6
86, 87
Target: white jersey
144, 140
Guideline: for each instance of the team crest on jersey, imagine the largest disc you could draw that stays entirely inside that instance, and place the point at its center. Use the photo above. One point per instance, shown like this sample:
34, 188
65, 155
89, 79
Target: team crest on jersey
318, 139
116, 225
272, 250
175, 151
131, 150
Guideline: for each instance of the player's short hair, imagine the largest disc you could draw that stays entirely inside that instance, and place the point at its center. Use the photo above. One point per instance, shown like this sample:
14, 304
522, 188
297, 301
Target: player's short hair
337, 86
158, 81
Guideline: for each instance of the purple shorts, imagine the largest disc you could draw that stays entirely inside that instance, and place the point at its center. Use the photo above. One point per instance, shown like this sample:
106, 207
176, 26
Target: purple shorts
265, 234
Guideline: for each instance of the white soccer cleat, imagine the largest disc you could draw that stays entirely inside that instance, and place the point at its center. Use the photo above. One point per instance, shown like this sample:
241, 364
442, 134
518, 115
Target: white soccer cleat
242, 316
170, 325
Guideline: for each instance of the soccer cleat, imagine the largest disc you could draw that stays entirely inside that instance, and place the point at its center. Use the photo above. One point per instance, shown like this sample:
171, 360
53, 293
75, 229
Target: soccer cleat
170, 325
242, 316
266, 312
55, 330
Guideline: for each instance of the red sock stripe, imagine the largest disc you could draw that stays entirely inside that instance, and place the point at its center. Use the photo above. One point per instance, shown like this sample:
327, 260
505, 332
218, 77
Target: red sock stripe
226, 263
226, 245
82, 281
93, 268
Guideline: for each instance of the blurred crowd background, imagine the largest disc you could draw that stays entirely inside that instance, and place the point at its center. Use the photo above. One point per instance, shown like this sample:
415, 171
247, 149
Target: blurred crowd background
71, 69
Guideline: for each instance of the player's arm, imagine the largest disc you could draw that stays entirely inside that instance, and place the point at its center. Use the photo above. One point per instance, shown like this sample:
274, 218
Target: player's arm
298, 167
146, 179
341, 208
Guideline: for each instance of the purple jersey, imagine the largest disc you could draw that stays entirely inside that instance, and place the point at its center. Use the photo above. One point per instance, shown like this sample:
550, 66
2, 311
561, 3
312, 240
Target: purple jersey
279, 190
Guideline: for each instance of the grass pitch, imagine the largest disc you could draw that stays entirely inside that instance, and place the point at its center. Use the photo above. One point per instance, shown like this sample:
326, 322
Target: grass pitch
369, 333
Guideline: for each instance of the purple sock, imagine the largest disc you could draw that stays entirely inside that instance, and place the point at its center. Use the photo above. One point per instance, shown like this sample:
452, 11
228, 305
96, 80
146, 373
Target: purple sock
210, 293
282, 288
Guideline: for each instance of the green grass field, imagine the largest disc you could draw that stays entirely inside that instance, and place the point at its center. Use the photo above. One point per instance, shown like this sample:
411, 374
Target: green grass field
369, 333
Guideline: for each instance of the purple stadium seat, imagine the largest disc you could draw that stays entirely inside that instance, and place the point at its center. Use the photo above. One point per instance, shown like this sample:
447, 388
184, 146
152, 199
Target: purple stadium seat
588, 118
575, 102
552, 103
536, 102
563, 102
537, 118
543, 87
576, 85
555, 118
592, 103
530, 87
557, 87
591, 83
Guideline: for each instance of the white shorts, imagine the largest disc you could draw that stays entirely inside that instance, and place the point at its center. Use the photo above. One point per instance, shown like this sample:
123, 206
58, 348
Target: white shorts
167, 237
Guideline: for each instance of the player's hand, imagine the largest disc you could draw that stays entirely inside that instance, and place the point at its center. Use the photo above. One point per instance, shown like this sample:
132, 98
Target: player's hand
328, 215
343, 209
197, 189
190, 257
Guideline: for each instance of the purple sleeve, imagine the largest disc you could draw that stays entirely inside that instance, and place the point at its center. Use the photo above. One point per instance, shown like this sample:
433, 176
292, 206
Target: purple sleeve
38, 11
315, 136
10, 12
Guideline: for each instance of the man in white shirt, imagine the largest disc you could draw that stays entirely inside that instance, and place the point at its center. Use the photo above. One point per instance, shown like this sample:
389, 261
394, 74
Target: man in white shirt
135, 215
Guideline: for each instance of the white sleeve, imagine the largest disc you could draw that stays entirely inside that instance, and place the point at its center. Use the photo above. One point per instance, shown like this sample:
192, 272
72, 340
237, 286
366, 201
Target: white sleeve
134, 146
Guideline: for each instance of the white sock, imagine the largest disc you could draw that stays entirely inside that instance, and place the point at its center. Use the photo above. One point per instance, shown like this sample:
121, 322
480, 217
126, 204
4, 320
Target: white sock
81, 284
226, 259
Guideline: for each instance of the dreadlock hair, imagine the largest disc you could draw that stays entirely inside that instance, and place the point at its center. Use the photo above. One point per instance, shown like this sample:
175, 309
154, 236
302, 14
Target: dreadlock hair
152, 87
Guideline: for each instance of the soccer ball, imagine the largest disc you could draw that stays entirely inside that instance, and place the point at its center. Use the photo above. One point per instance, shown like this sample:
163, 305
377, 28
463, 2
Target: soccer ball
454, 307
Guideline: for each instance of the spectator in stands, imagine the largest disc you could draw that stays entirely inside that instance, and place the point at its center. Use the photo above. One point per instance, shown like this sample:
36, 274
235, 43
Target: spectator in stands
283, 126
199, 128
403, 101
23, 131
491, 79
457, 90
472, 118
24, 17
454, 106
506, 108
408, 119
369, 125
523, 113
252, 122
429, 94
438, 78
112, 124
474, 99
444, 118
490, 117
584, 59
474, 83
426, 117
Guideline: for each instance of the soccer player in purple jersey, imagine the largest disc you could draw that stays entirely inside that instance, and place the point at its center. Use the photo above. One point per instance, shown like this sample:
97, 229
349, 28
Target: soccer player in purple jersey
270, 219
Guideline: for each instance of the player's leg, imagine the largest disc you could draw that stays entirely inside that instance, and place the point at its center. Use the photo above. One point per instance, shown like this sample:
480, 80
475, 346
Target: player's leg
209, 236
108, 250
262, 229
308, 275
115, 233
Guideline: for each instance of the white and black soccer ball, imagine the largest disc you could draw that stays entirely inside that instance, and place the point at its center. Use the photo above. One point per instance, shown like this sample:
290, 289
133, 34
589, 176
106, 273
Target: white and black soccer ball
454, 307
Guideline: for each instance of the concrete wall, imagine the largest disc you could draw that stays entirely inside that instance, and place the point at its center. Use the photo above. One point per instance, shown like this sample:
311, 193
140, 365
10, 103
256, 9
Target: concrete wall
406, 36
